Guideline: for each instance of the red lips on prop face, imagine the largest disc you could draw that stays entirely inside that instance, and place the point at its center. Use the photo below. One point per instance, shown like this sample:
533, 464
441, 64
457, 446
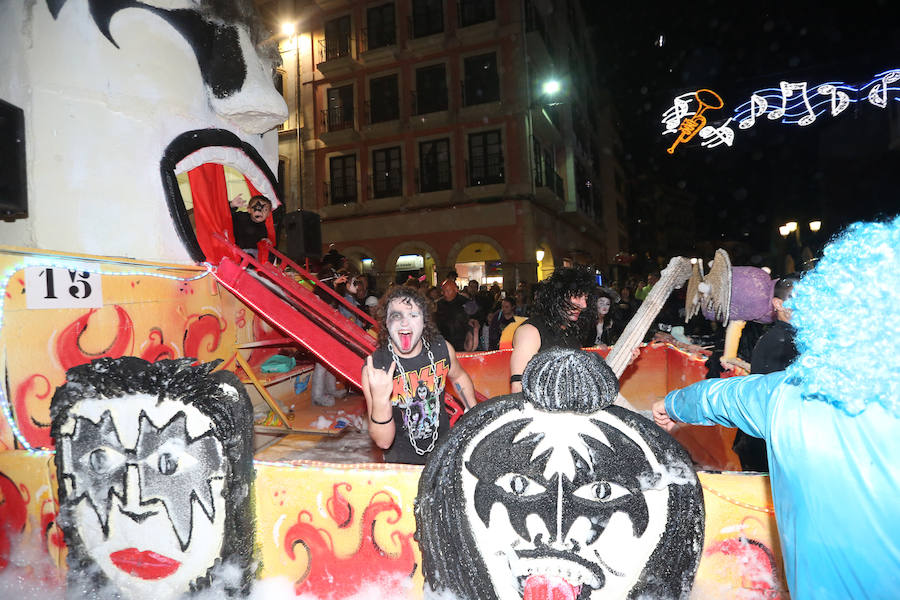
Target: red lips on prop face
144, 564
549, 587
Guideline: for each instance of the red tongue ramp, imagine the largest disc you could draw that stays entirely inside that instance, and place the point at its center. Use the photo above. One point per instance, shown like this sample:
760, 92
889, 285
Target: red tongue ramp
549, 587
297, 311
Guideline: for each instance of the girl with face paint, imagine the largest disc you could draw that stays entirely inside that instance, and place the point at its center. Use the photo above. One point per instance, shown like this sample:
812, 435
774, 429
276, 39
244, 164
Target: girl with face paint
404, 379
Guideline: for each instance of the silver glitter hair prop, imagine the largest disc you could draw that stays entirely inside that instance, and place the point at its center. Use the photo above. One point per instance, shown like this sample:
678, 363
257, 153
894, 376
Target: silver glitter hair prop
569, 380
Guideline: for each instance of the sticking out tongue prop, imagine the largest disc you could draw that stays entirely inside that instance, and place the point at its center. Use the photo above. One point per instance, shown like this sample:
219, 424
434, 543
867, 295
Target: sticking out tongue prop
549, 587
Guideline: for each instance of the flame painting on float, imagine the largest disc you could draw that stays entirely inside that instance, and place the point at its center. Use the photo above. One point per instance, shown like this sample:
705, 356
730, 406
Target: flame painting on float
155, 478
555, 493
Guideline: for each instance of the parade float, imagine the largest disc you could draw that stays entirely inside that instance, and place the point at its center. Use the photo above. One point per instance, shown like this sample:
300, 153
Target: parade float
131, 126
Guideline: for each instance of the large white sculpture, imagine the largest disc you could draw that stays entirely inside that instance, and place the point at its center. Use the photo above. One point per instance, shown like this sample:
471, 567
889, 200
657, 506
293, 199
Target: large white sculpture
116, 95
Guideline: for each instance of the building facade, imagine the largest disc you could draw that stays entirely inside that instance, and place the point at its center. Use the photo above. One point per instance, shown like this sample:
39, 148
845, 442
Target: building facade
428, 138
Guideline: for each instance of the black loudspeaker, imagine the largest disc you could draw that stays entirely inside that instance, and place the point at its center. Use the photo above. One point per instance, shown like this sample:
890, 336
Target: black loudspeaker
13, 190
303, 233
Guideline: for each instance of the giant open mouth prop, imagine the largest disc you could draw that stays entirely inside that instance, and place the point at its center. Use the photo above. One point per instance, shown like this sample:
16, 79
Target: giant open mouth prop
201, 154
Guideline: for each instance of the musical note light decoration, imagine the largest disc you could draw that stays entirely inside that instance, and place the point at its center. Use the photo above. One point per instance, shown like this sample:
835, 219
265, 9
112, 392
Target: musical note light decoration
792, 103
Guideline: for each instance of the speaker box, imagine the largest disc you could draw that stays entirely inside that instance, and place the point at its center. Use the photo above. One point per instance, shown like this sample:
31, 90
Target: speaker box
303, 233
13, 190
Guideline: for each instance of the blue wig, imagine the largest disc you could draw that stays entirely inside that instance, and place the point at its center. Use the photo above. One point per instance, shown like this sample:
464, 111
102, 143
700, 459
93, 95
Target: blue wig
847, 315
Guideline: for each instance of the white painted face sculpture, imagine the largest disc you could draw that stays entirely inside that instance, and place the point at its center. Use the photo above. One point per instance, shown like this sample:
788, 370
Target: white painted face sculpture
120, 96
554, 493
145, 496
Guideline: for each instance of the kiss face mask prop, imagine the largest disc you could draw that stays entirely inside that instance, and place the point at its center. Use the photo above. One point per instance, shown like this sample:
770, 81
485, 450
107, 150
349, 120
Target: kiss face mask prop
154, 462
556, 489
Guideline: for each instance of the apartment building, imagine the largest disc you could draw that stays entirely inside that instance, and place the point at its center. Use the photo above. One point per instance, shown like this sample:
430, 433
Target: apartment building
431, 137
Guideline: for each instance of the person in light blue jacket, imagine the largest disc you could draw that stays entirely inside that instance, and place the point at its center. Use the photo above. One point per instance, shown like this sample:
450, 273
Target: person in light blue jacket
831, 421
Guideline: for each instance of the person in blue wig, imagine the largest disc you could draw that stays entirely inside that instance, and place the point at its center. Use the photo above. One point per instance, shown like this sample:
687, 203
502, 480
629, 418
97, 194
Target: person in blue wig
831, 420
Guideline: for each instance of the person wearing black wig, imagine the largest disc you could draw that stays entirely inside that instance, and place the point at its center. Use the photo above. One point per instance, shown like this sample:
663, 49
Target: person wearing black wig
563, 315
556, 489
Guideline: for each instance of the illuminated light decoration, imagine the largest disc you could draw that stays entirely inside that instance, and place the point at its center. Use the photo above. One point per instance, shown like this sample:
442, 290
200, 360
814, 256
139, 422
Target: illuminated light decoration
791, 103
693, 124
62, 263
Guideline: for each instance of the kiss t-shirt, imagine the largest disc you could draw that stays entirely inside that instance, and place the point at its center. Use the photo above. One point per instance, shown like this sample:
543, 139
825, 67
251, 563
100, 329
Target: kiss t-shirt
420, 416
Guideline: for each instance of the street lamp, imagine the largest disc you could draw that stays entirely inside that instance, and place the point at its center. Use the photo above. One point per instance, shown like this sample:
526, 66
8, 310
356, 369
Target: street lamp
551, 87
539, 255
815, 226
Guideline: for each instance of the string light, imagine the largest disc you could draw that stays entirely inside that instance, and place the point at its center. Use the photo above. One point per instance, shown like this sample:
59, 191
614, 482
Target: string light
91, 265
791, 103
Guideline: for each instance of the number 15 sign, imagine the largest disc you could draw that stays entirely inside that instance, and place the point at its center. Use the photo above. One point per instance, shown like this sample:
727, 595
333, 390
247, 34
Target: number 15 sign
48, 287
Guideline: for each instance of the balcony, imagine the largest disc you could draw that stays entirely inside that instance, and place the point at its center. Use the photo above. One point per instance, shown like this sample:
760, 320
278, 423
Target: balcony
381, 118
550, 190
378, 45
540, 48
429, 110
336, 56
387, 185
338, 125
340, 191
426, 31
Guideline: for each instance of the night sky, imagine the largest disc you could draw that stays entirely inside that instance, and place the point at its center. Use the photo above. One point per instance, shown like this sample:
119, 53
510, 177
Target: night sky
838, 169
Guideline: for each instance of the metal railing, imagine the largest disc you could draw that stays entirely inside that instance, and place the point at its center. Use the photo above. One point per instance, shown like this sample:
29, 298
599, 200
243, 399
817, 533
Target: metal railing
435, 179
337, 118
331, 48
340, 191
387, 184
371, 38
486, 172
427, 104
425, 23
379, 112
471, 12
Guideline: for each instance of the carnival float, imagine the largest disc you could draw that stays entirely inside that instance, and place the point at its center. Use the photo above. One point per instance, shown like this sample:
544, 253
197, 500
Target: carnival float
118, 255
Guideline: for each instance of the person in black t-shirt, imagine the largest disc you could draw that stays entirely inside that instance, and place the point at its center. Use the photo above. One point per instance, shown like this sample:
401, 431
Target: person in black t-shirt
565, 310
451, 317
404, 379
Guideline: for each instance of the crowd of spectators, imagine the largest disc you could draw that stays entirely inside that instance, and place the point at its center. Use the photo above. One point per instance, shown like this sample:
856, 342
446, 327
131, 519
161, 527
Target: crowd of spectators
471, 315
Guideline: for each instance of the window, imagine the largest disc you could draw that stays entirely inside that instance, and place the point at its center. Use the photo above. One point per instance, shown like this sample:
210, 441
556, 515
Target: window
427, 17
485, 158
384, 99
538, 167
387, 177
482, 83
434, 165
339, 114
337, 38
381, 30
343, 179
431, 89
475, 11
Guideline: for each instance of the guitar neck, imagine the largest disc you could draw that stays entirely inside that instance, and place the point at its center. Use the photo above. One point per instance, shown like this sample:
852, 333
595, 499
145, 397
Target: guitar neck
672, 277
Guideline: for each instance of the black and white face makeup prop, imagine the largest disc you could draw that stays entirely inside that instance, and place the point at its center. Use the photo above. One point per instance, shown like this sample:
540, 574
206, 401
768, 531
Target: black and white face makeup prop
556, 489
145, 496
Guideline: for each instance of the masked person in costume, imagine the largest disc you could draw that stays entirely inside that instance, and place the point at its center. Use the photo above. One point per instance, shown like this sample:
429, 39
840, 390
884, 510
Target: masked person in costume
830, 420
554, 493
404, 379
563, 315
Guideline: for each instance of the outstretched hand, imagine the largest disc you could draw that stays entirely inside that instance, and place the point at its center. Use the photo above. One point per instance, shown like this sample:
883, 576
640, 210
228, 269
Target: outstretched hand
661, 417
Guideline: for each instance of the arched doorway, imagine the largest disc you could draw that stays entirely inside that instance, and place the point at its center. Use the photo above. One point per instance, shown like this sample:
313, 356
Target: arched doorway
415, 259
479, 261
544, 258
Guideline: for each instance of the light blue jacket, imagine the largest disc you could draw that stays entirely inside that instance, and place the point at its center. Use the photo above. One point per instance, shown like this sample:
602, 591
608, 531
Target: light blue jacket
835, 481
